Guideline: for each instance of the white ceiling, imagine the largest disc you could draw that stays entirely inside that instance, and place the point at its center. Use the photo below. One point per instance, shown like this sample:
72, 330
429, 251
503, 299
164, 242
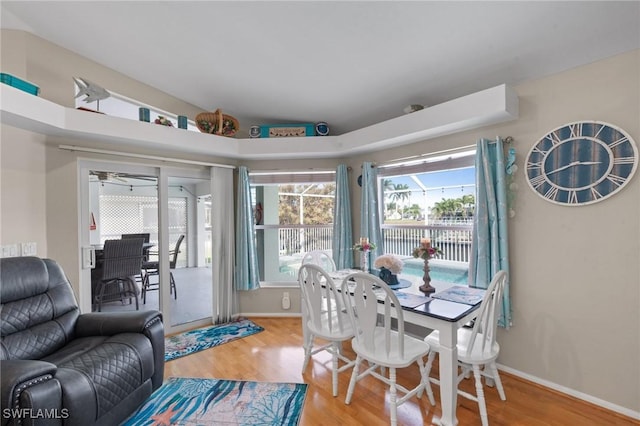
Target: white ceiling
349, 63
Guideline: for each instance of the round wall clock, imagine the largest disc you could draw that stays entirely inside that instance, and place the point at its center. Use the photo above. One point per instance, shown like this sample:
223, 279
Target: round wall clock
581, 163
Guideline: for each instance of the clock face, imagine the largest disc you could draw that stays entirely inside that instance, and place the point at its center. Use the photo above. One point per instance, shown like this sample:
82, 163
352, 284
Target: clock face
581, 163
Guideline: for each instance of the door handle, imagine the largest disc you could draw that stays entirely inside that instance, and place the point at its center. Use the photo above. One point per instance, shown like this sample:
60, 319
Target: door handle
88, 257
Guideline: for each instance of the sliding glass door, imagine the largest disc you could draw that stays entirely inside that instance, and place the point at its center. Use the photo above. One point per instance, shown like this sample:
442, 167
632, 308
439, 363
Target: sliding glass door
169, 208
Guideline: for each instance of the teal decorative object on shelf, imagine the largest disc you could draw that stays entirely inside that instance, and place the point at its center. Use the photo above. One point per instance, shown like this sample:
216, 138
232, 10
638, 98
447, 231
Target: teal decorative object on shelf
287, 130
20, 84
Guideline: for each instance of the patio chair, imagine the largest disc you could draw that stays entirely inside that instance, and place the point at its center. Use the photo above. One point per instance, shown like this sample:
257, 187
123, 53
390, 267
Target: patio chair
153, 269
121, 263
145, 248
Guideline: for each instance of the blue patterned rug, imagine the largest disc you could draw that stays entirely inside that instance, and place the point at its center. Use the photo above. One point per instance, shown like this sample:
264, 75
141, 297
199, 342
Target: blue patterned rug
186, 401
204, 338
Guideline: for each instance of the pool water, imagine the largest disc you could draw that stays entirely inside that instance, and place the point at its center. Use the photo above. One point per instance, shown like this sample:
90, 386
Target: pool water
438, 272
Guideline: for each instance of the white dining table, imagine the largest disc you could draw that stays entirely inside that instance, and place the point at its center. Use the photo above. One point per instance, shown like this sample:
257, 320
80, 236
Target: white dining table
446, 317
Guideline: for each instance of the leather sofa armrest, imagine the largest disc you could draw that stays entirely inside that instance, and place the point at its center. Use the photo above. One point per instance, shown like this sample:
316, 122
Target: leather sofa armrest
110, 323
148, 323
19, 376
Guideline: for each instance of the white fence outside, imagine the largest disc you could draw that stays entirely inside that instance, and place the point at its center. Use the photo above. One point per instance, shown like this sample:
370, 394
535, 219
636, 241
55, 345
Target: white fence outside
453, 239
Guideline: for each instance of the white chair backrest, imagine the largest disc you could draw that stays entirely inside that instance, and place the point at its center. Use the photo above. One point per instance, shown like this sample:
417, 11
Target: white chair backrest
362, 306
322, 298
487, 320
320, 258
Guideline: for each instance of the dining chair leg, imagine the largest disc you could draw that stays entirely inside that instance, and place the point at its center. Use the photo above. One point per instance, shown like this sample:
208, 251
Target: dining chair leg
477, 374
308, 346
430, 359
334, 374
352, 382
496, 377
393, 396
425, 382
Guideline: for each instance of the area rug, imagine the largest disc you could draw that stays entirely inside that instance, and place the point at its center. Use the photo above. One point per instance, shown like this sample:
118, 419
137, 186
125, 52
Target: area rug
204, 338
191, 401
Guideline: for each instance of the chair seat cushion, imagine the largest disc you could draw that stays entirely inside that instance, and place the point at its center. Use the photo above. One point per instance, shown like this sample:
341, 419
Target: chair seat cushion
100, 373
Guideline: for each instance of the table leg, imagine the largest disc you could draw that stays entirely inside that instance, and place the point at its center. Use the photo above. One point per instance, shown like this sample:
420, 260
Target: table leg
448, 359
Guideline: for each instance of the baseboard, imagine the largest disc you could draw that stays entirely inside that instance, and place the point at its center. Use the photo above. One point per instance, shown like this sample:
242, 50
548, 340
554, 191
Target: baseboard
272, 314
572, 392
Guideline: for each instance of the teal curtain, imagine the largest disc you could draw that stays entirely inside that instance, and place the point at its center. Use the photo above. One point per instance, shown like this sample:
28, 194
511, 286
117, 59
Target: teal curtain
247, 275
490, 244
370, 214
342, 231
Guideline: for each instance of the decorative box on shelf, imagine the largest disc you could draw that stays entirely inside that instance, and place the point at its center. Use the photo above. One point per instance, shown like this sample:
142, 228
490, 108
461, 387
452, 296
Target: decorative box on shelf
18, 83
287, 130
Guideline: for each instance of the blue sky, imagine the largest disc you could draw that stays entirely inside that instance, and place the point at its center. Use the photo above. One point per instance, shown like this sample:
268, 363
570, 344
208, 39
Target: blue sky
442, 184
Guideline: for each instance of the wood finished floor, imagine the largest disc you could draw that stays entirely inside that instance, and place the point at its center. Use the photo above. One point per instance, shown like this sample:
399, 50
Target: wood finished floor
276, 355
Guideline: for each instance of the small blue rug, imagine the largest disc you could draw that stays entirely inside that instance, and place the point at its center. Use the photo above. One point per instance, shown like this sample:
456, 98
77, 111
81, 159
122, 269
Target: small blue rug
204, 338
190, 401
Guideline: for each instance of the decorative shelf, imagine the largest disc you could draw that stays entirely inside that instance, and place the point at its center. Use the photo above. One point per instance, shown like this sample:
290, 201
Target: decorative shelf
25, 111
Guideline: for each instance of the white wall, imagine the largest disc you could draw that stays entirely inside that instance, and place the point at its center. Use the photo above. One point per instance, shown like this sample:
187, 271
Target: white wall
575, 274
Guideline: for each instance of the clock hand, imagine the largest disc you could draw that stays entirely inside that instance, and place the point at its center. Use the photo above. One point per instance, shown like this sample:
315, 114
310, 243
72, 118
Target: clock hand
574, 163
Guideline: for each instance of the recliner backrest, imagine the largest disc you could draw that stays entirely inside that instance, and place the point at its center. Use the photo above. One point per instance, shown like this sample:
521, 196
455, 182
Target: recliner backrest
38, 309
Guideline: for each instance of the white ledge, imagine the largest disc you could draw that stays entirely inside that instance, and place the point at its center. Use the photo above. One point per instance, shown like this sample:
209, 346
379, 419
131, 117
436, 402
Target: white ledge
25, 111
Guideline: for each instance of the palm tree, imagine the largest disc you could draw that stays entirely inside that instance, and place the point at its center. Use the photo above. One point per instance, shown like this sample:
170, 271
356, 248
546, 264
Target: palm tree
400, 193
468, 204
387, 189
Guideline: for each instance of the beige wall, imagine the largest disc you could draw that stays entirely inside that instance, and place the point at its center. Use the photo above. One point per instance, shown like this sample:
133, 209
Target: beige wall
23, 192
575, 274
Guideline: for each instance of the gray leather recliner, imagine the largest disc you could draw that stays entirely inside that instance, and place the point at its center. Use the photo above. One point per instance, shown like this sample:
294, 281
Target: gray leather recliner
60, 367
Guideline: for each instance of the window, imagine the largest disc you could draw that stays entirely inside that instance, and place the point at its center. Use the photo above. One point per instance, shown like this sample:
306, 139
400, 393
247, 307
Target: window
294, 215
433, 198
118, 105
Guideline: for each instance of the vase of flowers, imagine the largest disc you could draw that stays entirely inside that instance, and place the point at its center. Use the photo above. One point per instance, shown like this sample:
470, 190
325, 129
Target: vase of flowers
364, 247
426, 251
390, 266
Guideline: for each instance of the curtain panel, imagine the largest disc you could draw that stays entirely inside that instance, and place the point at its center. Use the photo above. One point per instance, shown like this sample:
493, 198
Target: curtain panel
490, 244
370, 213
247, 274
342, 230
223, 236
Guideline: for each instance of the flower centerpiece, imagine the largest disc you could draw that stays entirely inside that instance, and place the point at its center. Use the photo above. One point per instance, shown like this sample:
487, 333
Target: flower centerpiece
426, 251
390, 266
364, 246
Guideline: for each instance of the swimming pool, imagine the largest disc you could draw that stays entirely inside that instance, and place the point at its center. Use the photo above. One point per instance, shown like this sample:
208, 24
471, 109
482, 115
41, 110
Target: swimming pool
438, 270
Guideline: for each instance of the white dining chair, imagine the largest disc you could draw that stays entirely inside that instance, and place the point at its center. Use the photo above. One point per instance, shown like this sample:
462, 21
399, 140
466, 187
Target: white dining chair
378, 343
477, 347
321, 258
326, 318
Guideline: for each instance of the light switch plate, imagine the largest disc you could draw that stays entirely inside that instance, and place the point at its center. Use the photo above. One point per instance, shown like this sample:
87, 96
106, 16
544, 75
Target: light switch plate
10, 250
29, 249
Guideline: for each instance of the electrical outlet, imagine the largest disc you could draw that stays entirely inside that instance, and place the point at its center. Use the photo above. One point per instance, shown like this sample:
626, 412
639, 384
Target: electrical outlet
286, 301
